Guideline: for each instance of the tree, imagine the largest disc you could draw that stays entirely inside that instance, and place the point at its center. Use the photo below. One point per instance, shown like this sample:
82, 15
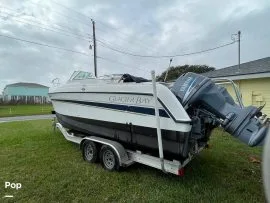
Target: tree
175, 71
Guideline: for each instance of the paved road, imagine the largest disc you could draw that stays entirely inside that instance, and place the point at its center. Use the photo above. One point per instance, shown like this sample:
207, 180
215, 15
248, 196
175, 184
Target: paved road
26, 118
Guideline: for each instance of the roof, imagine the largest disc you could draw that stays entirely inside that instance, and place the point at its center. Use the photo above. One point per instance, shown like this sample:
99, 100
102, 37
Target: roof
251, 67
26, 84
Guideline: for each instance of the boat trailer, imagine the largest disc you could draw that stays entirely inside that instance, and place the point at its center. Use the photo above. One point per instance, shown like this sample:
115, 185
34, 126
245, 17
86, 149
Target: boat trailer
115, 155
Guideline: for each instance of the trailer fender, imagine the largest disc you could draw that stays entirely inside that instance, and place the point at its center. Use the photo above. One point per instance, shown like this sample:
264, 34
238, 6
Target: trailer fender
116, 146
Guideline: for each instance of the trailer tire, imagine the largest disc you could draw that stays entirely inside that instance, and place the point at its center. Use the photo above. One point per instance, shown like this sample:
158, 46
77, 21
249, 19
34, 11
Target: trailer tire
109, 159
90, 152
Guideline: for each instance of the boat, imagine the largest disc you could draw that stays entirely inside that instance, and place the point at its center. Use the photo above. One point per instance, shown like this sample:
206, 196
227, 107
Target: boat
122, 107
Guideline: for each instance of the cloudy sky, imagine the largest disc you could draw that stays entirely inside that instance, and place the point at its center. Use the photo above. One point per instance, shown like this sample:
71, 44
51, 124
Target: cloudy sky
149, 27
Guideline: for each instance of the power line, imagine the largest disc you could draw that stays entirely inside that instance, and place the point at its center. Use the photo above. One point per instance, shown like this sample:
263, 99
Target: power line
109, 43
123, 34
62, 30
103, 58
71, 9
104, 24
61, 14
129, 42
116, 29
81, 14
49, 29
32, 16
138, 55
66, 28
45, 45
120, 63
68, 50
163, 56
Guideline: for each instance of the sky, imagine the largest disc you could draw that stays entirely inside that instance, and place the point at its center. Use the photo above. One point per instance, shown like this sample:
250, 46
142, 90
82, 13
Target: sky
149, 27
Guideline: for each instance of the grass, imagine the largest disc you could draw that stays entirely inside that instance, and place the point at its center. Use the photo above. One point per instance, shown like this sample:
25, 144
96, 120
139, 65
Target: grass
24, 110
51, 169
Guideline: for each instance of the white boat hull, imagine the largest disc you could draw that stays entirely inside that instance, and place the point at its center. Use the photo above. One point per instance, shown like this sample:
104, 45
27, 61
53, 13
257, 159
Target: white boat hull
125, 116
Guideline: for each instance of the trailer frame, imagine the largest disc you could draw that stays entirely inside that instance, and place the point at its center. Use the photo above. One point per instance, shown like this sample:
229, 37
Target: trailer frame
128, 157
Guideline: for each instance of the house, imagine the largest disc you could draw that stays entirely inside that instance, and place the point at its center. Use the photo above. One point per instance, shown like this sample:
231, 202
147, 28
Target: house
26, 93
253, 80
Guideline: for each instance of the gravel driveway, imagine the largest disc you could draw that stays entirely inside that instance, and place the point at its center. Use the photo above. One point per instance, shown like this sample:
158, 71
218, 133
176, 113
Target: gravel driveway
26, 118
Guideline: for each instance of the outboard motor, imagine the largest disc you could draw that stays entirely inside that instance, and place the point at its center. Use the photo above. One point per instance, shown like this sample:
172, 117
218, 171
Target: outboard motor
197, 91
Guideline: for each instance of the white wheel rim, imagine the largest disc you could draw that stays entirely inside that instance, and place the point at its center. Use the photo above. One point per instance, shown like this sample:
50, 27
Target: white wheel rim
89, 152
108, 159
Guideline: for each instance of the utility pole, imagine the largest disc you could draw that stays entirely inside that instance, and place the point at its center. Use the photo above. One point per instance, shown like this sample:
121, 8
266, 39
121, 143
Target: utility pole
237, 37
95, 47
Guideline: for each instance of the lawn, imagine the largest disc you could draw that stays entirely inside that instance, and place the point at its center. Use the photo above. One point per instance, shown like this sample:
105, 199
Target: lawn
51, 169
23, 110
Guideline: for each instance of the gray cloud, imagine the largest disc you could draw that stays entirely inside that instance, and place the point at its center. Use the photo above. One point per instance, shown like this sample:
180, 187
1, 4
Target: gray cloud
145, 27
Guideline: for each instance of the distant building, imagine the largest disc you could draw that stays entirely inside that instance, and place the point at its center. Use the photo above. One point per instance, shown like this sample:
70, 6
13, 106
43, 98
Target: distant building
253, 80
26, 93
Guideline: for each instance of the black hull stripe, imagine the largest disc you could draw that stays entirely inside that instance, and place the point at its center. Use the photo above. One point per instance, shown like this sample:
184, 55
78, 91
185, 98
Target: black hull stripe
132, 93
131, 136
135, 109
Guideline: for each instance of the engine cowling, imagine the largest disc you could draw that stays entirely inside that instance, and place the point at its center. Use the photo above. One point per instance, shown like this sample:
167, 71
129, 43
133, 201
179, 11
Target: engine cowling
197, 91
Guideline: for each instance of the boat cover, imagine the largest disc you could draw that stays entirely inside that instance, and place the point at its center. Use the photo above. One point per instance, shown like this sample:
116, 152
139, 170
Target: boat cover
130, 78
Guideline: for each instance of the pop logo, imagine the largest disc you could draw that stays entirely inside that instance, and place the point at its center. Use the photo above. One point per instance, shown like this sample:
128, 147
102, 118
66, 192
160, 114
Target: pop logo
16, 186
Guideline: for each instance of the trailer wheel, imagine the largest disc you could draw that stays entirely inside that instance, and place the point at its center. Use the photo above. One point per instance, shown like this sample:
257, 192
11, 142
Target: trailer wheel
109, 159
89, 152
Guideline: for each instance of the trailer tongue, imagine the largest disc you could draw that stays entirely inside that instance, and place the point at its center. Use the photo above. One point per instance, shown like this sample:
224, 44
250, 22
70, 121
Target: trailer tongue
198, 92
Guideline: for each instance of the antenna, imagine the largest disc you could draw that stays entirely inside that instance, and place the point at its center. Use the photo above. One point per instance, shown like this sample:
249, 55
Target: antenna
168, 70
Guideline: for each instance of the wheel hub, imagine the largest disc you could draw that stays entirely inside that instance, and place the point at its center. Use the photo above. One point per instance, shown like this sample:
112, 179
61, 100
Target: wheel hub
108, 159
89, 152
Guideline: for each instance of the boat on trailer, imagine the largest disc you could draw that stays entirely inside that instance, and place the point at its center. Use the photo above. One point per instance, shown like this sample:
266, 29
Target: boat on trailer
123, 119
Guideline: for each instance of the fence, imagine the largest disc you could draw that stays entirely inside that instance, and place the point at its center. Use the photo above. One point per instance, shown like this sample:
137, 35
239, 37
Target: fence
16, 110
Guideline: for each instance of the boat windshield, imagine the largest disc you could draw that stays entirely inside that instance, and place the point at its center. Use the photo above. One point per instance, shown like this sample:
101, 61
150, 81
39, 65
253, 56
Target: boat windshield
81, 75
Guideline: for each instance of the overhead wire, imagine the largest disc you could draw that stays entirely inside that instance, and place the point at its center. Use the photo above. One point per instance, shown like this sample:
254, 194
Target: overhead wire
117, 62
101, 40
71, 9
163, 56
45, 28
106, 45
61, 48
118, 46
134, 41
61, 14
99, 57
45, 45
66, 28
68, 50
100, 22
139, 55
88, 17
